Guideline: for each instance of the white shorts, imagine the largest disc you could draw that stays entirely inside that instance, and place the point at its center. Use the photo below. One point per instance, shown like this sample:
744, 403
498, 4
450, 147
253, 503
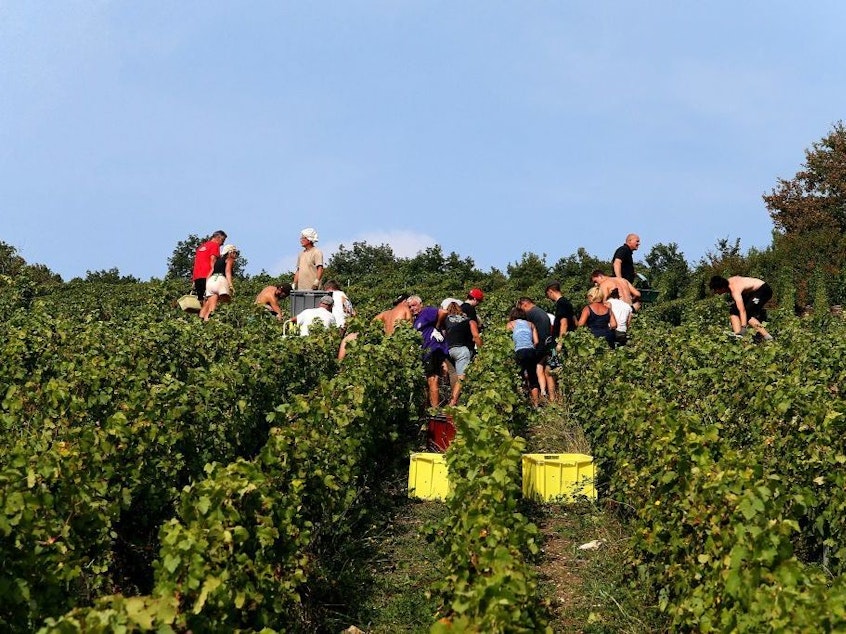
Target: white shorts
217, 285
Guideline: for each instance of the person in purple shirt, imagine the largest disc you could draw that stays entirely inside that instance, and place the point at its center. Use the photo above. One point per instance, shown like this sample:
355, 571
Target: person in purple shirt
428, 321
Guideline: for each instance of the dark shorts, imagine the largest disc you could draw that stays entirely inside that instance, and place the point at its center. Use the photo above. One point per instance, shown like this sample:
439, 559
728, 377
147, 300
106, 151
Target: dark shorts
754, 303
433, 362
527, 359
200, 288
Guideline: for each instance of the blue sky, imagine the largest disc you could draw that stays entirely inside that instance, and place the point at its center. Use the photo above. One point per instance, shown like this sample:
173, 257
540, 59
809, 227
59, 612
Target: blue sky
490, 128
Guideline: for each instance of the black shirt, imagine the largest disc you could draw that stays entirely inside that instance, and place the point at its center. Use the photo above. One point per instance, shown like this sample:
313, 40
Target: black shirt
624, 254
563, 311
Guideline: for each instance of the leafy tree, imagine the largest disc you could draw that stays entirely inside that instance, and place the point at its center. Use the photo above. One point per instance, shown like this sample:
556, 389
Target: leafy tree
180, 265
816, 197
10, 262
531, 270
111, 276
668, 270
361, 261
573, 272
13, 265
809, 214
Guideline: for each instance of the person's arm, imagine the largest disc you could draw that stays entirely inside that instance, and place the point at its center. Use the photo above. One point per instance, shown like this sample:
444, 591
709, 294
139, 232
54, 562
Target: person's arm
629, 319
296, 279
634, 292
737, 296
535, 339
229, 263
474, 330
316, 284
613, 320
274, 305
617, 265
583, 317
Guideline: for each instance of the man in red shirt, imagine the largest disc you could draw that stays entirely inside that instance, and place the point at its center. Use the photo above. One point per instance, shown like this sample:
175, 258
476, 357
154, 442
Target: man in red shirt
204, 259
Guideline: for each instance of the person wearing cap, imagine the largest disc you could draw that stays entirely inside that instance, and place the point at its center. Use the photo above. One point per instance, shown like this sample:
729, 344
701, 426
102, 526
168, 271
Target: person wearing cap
309, 262
323, 313
219, 285
204, 258
270, 296
474, 298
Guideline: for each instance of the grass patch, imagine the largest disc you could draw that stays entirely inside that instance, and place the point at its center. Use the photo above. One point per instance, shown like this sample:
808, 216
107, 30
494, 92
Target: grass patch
588, 590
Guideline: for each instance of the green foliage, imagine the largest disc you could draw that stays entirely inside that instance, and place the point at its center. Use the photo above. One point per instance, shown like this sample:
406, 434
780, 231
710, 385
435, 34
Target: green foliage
485, 541
530, 272
668, 272
727, 457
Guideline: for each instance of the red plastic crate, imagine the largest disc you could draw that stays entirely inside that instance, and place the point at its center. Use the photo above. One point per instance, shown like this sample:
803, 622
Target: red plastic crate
440, 432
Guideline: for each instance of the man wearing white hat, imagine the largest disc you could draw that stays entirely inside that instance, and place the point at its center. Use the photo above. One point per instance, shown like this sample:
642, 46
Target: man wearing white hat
309, 263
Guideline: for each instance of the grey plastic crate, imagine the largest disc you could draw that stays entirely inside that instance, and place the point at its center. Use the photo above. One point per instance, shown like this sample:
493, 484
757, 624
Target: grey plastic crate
300, 300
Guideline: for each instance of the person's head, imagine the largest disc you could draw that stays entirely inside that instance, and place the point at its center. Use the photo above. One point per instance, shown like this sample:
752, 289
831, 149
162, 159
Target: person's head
219, 236
399, 299
415, 304
597, 276
633, 241
525, 303
595, 295
283, 290
516, 313
614, 293
719, 284
331, 285
475, 296
308, 237
327, 302
454, 308
553, 289
229, 251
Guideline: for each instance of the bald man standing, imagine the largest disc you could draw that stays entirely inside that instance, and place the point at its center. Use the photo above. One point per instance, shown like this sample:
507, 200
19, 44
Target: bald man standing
623, 260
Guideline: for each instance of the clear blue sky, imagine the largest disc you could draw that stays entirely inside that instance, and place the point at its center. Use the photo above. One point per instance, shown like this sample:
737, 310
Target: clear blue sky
490, 128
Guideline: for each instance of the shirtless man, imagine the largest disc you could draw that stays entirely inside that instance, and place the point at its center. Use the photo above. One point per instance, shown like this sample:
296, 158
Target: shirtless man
269, 298
390, 317
749, 295
628, 293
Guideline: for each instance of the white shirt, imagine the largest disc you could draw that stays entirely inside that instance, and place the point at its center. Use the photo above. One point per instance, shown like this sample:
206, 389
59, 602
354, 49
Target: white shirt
342, 308
307, 317
621, 311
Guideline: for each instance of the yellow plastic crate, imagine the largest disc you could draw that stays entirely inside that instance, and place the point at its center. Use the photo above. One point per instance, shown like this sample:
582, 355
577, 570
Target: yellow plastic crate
560, 476
427, 476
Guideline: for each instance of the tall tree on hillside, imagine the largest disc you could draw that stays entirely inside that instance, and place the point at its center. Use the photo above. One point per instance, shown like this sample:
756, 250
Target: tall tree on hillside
809, 214
816, 197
